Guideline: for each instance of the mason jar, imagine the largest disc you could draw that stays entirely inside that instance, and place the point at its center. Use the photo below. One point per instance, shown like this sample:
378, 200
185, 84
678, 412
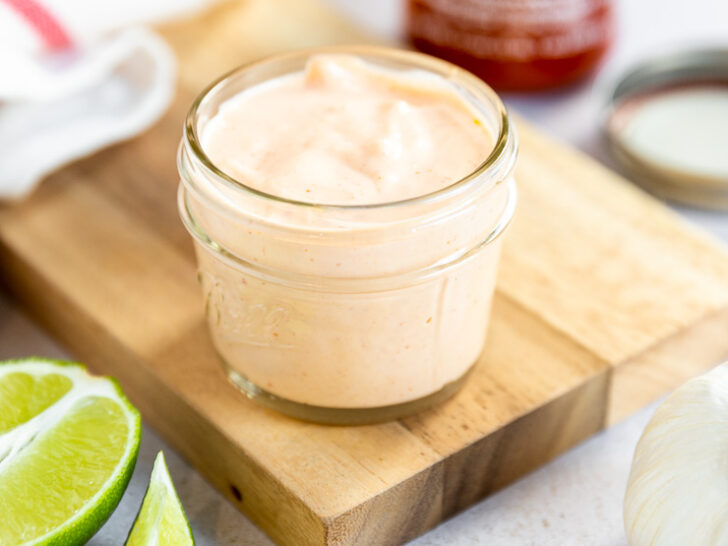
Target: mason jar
349, 313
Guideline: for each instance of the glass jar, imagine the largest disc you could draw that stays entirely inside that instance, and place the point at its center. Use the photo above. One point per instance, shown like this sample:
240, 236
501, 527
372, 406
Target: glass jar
354, 313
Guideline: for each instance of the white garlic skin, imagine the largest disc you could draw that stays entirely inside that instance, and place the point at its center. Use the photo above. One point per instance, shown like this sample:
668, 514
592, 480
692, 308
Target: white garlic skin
677, 492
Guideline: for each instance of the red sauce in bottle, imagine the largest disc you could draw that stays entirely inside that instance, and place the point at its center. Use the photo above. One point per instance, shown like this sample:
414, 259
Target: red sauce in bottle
522, 45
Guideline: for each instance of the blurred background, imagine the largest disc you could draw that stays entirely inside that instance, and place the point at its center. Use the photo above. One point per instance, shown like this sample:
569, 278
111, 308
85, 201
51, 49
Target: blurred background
85, 75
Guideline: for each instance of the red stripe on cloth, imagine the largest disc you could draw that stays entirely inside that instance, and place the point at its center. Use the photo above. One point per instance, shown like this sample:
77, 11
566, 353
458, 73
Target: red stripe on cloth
50, 29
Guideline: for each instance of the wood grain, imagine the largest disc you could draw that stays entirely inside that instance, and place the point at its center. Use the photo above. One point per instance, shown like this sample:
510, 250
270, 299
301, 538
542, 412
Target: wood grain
605, 300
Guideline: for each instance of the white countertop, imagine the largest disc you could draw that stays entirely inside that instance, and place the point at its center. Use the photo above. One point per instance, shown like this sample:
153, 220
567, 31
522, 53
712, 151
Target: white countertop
576, 499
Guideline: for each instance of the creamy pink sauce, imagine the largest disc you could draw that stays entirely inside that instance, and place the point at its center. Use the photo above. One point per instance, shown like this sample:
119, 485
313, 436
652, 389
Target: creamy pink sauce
345, 132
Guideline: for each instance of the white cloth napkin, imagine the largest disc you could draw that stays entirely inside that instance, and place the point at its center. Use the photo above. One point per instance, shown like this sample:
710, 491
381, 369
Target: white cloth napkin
78, 75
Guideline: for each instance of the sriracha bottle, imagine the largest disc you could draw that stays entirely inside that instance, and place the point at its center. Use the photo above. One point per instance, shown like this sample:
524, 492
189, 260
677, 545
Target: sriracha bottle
515, 45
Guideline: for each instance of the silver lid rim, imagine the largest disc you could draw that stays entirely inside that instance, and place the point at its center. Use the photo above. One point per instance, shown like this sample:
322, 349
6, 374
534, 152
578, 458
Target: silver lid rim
664, 71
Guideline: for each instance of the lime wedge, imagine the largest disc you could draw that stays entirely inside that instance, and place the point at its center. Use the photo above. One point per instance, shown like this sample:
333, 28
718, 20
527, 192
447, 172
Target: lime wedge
161, 520
68, 445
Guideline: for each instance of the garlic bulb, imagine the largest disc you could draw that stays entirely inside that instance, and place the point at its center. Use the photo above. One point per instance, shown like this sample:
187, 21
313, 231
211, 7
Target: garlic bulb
677, 493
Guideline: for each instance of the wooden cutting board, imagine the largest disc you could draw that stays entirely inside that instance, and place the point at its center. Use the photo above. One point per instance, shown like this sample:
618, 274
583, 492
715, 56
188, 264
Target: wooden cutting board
605, 300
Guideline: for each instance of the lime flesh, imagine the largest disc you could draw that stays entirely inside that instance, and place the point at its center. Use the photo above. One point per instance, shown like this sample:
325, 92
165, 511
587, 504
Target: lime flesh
68, 445
161, 520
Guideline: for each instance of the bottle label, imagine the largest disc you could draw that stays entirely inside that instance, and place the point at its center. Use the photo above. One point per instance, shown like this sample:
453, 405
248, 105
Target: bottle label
512, 30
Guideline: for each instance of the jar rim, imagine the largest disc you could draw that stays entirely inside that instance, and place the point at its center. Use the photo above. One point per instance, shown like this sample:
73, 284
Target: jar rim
492, 164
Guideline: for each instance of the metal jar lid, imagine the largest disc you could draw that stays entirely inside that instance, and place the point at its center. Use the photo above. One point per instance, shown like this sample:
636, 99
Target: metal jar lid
682, 72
